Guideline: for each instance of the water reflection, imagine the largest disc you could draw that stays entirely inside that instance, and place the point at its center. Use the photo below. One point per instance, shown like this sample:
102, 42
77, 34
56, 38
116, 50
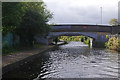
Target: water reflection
77, 60
73, 60
30, 69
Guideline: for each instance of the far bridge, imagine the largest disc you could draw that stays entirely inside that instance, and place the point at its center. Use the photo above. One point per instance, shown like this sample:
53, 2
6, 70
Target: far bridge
96, 32
85, 28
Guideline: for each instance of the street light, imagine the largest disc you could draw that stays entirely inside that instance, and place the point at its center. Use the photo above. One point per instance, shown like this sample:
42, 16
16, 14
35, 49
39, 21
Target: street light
101, 14
118, 12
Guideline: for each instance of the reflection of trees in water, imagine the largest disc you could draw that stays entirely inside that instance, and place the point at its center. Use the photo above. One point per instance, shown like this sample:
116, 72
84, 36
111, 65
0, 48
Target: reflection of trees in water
75, 51
29, 70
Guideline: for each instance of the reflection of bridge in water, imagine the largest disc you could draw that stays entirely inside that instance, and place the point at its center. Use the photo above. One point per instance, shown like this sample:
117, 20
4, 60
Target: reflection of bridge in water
96, 32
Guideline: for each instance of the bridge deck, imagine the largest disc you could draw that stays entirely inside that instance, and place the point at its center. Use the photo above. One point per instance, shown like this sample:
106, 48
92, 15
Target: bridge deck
86, 28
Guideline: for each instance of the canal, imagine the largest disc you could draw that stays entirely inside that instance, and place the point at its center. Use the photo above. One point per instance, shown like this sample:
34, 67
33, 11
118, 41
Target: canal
72, 60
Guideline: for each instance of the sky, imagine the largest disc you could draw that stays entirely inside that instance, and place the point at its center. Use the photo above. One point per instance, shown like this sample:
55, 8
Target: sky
82, 11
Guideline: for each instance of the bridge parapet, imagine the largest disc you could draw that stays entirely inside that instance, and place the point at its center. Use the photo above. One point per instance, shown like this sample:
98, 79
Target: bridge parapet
115, 29
86, 28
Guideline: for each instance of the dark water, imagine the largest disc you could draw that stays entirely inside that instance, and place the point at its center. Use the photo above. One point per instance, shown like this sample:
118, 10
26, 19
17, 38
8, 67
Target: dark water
73, 60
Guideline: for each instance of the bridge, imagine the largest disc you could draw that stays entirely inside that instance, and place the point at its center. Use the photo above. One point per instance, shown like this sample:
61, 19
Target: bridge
85, 28
96, 32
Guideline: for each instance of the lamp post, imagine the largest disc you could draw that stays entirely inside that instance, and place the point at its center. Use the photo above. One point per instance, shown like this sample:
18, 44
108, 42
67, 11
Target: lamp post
119, 13
101, 14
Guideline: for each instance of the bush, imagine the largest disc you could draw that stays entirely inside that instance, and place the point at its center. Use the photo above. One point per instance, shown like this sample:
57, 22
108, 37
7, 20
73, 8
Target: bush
113, 43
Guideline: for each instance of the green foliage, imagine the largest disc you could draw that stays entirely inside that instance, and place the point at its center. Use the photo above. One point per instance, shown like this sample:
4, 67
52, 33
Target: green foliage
65, 42
87, 41
12, 13
75, 38
7, 50
6, 30
40, 8
70, 38
26, 19
113, 43
113, 22
32, 24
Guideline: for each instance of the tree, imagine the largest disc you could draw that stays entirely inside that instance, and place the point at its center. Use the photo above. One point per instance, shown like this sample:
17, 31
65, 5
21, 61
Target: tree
113, 22
34, 22
26, 19
31, 25
12, 13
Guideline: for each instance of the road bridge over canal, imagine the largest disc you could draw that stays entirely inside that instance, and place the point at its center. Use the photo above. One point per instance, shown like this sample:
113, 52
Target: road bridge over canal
85, 28
96, 32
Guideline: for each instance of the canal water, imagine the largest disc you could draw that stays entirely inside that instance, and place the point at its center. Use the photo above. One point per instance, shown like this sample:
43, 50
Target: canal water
72, 60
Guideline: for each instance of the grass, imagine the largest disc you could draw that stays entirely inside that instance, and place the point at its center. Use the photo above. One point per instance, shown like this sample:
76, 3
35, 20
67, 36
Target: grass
14, 49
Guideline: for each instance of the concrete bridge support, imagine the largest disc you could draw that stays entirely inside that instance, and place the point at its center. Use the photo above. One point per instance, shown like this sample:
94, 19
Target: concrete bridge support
43, 40
100, 41
91, 42
98, 44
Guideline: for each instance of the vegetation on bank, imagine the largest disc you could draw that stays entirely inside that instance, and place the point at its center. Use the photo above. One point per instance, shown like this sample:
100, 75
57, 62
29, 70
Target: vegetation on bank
26, 20
84, 39
113, 22
13, 49
113, 43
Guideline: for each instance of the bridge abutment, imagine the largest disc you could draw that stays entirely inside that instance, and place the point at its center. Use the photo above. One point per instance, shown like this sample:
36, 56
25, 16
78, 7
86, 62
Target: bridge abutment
98, 44
91, 43
100, 41
42, 40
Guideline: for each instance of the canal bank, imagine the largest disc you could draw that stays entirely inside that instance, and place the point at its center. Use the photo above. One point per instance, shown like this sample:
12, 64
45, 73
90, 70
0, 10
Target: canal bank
12, 61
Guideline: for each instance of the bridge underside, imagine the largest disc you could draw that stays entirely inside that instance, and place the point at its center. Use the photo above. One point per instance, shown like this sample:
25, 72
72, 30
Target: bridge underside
57, 34
97, 37
94, 35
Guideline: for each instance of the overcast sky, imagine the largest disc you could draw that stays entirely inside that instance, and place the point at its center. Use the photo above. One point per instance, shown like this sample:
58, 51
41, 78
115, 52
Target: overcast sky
82, 11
